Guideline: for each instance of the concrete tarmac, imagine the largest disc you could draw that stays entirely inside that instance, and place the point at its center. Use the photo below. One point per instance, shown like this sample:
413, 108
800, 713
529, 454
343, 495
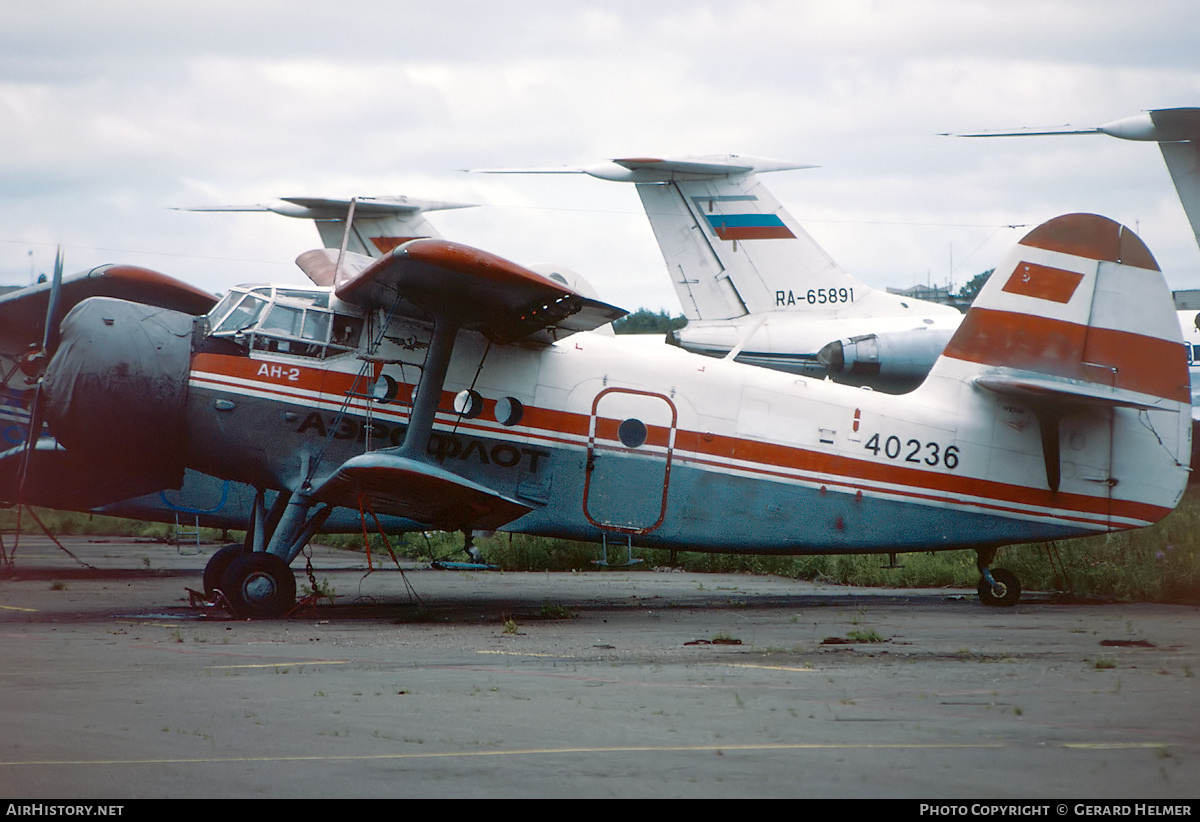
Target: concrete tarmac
597, 684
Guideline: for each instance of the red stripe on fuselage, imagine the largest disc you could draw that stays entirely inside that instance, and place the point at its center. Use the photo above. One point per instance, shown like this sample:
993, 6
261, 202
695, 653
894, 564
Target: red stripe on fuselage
1120, 359
762, 458
289, 374
868, 475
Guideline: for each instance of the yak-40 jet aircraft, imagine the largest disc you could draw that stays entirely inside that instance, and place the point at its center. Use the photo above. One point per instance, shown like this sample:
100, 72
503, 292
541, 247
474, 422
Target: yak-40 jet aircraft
755, 286
455, 390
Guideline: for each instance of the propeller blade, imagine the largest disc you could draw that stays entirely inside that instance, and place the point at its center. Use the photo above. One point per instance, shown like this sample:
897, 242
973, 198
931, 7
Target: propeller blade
49, 342
50, 334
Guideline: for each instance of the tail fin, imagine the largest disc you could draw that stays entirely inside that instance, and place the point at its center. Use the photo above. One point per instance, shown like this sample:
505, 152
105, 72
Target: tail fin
1078, 327
730, 247
380, 223
733, 250
1177, 132
1182, 156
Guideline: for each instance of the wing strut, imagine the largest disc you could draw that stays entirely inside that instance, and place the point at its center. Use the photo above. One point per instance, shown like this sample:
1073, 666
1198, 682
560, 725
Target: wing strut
429, 387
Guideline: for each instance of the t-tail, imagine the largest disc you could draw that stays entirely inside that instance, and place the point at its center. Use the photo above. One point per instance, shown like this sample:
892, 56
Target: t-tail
732, 250
1074, 347
1177, 132
379, 224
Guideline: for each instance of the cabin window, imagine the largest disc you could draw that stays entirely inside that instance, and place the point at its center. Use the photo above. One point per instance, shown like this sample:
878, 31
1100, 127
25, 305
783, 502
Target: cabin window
632, 433
468, 404
346, 331
509, 410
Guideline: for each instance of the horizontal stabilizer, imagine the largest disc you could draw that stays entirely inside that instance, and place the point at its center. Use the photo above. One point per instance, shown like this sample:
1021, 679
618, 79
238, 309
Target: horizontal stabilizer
379, 225
1177, 132
1167, 125
1034, 390
486, 293
418, 491
666, 169
326, 208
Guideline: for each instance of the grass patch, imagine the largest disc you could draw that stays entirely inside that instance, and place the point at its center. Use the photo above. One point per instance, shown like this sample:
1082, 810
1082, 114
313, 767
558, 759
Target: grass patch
69, 523
1156, 564
865, 635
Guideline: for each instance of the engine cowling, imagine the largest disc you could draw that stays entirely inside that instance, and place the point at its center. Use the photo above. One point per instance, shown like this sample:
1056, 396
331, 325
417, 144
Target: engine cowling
892, 357
116, 386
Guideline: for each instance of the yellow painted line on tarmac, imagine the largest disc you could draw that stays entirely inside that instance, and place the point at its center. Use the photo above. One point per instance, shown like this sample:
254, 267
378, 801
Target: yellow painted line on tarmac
1114, 746
16, 608
773, 667
283, 664
629, 749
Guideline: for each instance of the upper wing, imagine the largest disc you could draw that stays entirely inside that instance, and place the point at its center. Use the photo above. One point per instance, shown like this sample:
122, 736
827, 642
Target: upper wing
23, 312
461, 288
501, 299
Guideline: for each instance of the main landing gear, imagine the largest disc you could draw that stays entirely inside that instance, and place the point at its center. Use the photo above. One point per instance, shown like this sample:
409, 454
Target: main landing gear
998, 586
255, 585
255, 578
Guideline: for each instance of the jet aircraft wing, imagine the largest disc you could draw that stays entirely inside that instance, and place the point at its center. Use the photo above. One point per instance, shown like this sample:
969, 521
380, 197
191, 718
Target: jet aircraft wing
506, 302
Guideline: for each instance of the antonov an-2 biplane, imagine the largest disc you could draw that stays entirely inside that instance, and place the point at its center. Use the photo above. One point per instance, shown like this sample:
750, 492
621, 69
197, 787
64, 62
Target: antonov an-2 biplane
379, 224
456, 390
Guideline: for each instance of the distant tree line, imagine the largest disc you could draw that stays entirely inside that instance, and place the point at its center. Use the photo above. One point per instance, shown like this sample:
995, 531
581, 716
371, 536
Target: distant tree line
967, 294
645, 321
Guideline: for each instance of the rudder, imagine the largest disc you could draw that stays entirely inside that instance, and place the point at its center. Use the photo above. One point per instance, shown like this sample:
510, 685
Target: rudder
1078, 328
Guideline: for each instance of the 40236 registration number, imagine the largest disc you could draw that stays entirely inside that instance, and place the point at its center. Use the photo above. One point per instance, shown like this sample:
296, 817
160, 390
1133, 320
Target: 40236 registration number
914, 451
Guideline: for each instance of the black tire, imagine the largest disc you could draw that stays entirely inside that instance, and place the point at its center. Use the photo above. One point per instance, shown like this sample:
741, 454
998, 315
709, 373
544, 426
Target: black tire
259, 586
217, 564
1008, 580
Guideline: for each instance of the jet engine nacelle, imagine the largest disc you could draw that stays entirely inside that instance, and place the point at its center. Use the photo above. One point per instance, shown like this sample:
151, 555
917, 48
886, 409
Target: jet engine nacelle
892, 356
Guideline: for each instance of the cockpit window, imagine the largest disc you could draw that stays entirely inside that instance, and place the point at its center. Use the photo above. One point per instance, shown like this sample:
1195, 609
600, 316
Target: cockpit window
243, 316
316, 326
285, 321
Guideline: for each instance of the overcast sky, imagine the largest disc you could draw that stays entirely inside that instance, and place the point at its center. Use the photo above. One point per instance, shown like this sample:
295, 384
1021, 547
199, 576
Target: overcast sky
113, 112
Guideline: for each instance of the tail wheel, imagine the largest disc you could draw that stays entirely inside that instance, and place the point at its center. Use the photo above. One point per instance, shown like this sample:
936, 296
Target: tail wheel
259, 586
1006, 592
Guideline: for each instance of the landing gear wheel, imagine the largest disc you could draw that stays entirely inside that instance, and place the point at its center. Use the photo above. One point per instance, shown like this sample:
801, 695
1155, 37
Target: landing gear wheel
1006, 592
259, 586
217, 564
